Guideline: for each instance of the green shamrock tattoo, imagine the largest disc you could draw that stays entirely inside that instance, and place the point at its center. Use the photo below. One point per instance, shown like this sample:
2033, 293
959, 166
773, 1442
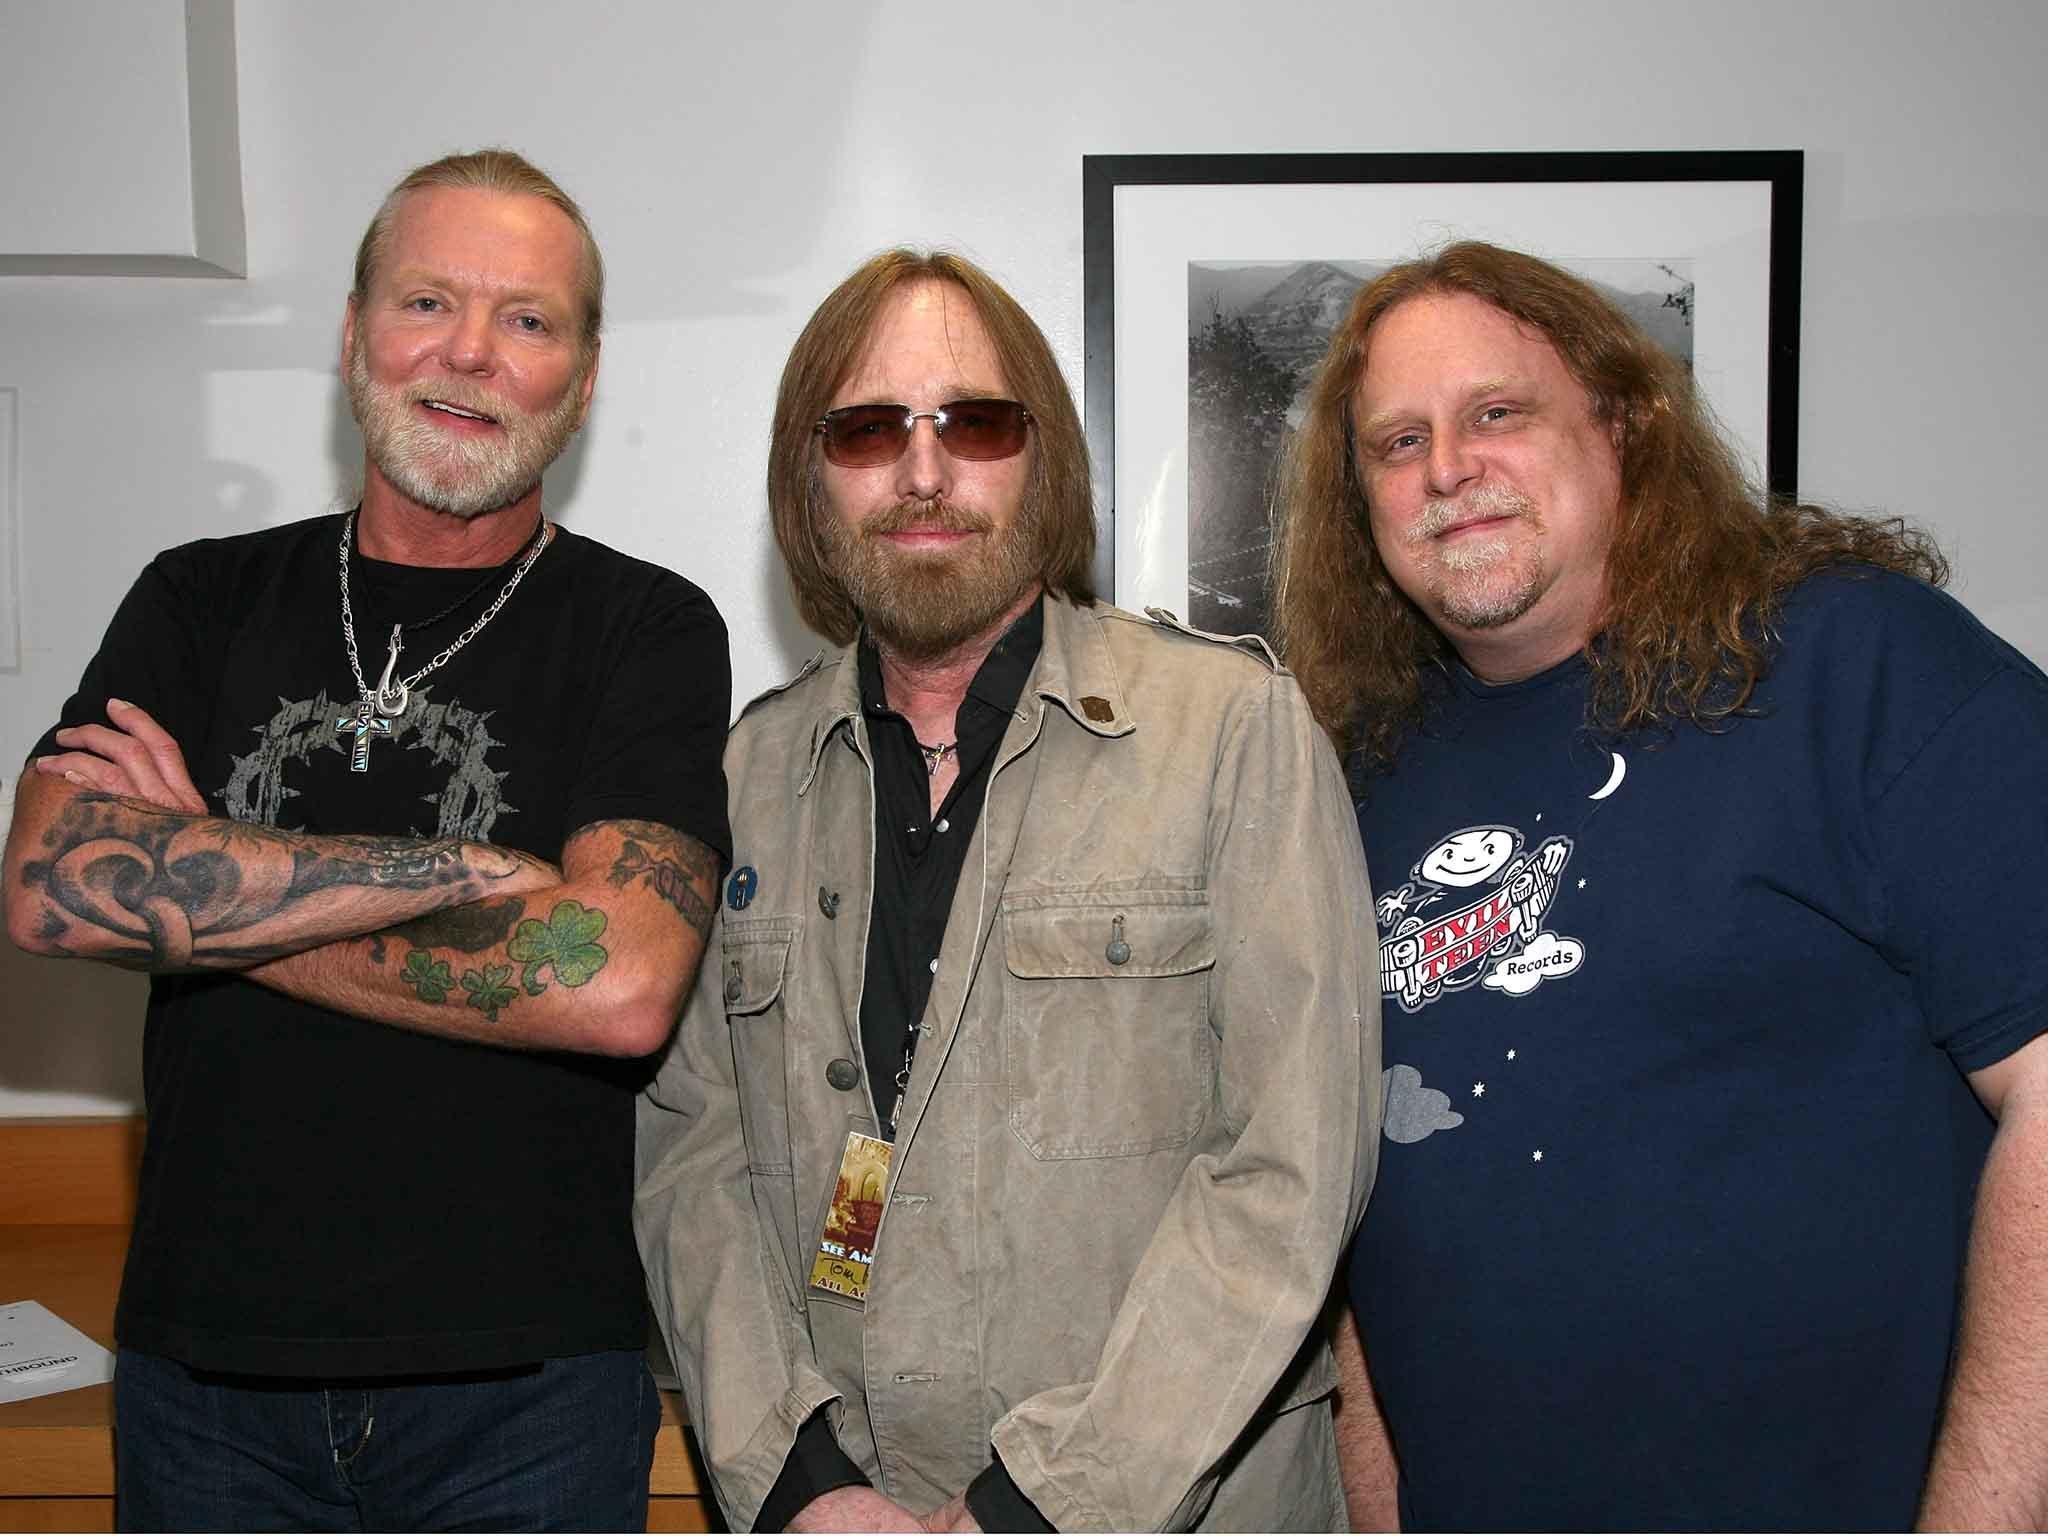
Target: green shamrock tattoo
487, 989
567, 941
430, 978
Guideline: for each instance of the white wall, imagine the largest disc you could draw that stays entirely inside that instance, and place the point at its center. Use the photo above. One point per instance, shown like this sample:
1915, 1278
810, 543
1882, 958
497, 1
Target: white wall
737, 160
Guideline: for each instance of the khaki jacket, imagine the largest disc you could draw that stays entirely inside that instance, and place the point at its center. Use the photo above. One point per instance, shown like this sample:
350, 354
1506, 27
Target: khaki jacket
1121, 1185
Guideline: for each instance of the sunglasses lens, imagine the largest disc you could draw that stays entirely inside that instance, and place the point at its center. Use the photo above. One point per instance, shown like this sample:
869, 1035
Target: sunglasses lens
862, 436
985, 429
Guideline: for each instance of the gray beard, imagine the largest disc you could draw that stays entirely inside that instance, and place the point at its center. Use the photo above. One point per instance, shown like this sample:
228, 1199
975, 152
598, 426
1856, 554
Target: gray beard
1471, 583
461, 477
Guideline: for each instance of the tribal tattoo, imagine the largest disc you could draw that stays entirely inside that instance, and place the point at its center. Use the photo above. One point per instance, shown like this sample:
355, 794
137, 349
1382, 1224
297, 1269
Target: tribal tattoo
186, 891
683, 872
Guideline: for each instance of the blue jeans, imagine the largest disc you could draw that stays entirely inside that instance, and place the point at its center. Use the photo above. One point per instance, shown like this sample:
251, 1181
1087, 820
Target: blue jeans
565, 1445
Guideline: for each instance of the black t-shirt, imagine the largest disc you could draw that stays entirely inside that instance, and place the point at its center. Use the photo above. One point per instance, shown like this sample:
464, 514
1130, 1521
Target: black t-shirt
324, 1196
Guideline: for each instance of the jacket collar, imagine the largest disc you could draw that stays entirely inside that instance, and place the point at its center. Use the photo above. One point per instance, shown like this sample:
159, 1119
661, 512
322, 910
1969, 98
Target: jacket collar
1074, 671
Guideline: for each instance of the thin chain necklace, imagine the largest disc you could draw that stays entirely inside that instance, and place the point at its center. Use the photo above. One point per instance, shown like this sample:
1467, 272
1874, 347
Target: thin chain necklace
376, 708
933, 756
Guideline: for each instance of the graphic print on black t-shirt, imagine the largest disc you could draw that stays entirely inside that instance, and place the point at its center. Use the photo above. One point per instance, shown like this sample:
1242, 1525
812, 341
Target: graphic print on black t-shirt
458, 740
323, 1195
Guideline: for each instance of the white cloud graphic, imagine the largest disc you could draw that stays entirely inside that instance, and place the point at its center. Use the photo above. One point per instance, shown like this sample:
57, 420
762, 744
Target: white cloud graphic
1546, 957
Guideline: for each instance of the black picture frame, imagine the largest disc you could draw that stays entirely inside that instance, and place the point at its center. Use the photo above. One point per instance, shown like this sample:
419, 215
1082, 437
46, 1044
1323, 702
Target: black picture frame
1781, 173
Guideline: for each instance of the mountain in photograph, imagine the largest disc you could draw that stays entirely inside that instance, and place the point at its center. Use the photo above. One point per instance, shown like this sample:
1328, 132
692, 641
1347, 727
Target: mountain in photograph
1292, 308
1665, 316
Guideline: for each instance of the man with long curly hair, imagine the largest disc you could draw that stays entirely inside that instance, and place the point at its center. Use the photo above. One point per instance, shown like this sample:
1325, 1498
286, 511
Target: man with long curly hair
999, 1167
1688, 806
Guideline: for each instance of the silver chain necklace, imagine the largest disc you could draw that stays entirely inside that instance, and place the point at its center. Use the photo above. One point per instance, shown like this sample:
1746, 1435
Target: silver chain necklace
376, 708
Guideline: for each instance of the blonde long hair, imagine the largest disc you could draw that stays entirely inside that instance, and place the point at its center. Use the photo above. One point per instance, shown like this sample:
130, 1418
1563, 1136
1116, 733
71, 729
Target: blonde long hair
1697, 571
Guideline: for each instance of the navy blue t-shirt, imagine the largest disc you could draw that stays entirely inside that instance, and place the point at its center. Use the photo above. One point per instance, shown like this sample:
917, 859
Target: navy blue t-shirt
1681, 1151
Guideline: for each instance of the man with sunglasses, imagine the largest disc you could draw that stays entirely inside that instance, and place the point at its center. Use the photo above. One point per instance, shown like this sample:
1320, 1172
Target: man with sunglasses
1030, 1086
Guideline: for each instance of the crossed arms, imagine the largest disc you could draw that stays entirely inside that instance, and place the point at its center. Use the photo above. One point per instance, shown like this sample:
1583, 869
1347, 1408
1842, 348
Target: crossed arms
113, 857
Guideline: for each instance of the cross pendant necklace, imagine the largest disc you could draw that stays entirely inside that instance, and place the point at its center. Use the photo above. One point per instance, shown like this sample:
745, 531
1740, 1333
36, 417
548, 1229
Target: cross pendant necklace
377, 709
364, 724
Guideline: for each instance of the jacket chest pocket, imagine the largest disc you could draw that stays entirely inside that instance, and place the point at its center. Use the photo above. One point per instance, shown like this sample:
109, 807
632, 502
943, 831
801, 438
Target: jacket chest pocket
1107, 1045
753, 973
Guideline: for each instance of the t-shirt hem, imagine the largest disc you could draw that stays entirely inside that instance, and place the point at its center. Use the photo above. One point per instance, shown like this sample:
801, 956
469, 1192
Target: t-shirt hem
427, 1354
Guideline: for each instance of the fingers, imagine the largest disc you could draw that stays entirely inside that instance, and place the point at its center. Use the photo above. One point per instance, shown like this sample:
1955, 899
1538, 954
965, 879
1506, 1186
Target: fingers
126, 760
163, 751
134, 756
89, 772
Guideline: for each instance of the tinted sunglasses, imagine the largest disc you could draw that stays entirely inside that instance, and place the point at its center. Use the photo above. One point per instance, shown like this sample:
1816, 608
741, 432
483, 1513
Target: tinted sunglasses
864, 436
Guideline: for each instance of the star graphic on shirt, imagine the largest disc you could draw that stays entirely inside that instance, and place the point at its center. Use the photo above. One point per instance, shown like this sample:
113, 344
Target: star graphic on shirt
1539, 815
1536, 1156
1479, 1090
1582, 882
1511, 1055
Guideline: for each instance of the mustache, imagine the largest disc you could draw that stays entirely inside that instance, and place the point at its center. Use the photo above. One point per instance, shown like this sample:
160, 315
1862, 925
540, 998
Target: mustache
935, 516
464, 397
1487, 500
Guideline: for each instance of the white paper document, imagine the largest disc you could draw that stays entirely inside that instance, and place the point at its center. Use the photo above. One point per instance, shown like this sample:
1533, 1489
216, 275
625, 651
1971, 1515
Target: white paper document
40, 1353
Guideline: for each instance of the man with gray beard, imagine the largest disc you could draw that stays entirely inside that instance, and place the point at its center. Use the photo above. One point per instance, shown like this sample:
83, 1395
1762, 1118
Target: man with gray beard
996, 1174
415, 815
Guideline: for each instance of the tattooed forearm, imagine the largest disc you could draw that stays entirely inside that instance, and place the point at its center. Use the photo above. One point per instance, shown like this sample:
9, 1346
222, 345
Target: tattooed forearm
683, 872
470, 929
563, 949
146, 886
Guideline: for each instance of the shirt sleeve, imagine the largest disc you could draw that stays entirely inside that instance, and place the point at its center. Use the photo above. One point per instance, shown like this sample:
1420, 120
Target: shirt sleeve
157, 653
655, 748
998, 1504
1962, 833
815, 1467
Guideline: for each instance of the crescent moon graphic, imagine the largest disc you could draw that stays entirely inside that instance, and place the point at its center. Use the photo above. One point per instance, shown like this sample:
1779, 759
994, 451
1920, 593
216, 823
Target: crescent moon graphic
1613, 780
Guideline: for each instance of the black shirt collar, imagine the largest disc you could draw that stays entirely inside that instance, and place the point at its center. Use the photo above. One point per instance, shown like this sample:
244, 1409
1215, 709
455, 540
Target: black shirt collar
999, 681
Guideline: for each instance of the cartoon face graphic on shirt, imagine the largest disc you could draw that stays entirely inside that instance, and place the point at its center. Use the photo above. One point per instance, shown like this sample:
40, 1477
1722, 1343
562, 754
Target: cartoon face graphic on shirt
1469, 857
1472, 912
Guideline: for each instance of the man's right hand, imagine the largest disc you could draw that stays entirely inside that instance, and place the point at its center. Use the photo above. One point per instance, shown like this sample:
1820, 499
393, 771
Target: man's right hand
133, 756
855, 1509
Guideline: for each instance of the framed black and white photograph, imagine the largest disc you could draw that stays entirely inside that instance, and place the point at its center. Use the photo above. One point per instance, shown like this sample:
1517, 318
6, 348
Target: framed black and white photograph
1213, 284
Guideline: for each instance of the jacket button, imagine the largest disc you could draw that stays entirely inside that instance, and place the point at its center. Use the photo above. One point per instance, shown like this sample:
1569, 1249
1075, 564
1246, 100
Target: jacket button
1117, 952
842, 1074
733, 985
828, 902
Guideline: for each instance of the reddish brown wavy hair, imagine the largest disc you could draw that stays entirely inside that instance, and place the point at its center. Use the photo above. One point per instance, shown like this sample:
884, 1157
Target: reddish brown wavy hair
1699, 565
826, 353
